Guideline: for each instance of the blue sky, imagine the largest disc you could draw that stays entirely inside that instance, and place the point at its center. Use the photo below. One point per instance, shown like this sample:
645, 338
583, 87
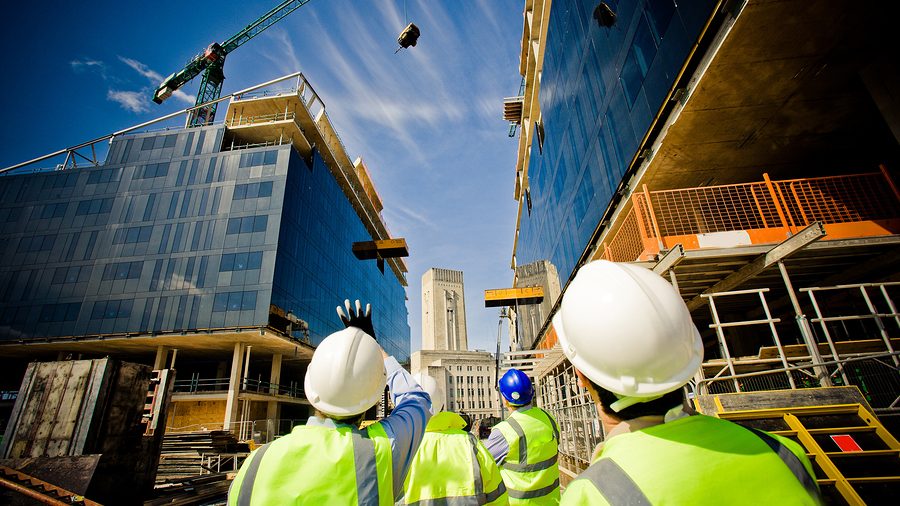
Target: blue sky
427, 121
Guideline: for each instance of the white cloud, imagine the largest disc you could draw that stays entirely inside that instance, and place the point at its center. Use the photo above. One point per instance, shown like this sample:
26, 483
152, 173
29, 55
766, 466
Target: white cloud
134, 101
87, 63
285, 57
155, 78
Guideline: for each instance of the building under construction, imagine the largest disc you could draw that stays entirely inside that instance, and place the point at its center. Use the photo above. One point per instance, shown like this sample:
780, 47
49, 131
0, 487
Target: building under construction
746, 150
220, 251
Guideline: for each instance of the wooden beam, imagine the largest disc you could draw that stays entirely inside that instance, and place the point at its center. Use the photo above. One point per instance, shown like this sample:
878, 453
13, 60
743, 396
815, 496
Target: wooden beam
781, 251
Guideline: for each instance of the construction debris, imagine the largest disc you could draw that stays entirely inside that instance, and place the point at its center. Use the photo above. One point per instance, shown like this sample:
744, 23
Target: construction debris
191, 454
203, 490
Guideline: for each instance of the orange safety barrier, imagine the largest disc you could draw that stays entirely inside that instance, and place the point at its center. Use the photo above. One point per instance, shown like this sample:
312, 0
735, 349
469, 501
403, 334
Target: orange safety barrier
764, 212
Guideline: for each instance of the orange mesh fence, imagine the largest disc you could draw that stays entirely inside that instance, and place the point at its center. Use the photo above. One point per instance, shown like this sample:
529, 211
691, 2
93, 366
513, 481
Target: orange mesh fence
751, 206
627, 245
714, 209
839, 199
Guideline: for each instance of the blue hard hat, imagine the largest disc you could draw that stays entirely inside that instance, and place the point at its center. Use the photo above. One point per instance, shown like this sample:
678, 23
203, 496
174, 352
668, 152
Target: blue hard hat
515, 386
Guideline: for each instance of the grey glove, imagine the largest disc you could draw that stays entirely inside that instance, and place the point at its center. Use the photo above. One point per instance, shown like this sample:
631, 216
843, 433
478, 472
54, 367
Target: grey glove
358, 318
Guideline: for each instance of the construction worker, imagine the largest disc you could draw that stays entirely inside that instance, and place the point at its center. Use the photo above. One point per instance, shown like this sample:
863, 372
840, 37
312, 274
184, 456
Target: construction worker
451, 466
330, 460
631, 339
525, 445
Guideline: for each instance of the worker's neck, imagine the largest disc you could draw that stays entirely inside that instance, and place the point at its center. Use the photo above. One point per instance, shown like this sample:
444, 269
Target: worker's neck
513, 409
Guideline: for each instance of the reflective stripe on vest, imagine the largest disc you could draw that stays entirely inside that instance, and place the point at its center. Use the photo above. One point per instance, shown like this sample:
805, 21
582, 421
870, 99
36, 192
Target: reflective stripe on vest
371, 464
524, 479
792, 462
477, 498
250, 477
364, 464
618, 488
614, 484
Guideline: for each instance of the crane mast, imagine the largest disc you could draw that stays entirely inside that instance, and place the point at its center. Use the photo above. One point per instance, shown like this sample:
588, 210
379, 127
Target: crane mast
211, 61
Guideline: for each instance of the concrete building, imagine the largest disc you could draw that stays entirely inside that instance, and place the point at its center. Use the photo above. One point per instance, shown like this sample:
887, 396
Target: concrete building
469, 379
745, 150
526, 321
443, 310
221, 251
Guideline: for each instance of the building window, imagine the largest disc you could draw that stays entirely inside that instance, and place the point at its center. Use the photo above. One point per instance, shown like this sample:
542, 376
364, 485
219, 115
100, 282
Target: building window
132, 235
123, 270
104, 176
106, 309
643, 50
247, 224
94, 206
60, 181
54, 210
252, 190
63, 275
152, 170
234, 301
258, 158
241, 261
36, 243
51, 313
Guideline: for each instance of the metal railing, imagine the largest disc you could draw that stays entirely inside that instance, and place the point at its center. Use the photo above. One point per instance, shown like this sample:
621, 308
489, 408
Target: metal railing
867, 346
767, 210
262, 118
874, 374
873, 315
266, 431
221, 462
199, 385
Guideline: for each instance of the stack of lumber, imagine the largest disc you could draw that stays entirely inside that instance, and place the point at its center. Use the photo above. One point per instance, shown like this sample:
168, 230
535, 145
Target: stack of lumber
201, 490
183, 455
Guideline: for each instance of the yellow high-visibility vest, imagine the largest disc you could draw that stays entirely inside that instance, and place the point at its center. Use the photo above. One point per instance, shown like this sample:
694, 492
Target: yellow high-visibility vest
696, 460
530, 470
319, 466
452, 466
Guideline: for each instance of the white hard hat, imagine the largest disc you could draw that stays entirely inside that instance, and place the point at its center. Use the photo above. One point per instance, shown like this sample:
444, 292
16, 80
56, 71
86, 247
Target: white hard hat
346, 375
430, 385
628, 330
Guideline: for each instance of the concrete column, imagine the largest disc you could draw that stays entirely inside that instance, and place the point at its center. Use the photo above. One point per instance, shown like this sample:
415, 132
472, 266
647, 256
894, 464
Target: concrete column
161, 354
275, 375
234, 387
272, 411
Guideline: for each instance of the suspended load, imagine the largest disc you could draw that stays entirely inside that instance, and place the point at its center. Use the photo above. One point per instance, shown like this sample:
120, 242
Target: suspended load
408, 36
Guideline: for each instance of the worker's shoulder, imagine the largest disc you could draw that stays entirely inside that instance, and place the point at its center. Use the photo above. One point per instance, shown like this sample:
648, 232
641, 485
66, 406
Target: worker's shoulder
582, 490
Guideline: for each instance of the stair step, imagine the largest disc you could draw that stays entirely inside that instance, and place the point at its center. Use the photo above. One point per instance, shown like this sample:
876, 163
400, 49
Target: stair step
841, 430
864, 453
875, 479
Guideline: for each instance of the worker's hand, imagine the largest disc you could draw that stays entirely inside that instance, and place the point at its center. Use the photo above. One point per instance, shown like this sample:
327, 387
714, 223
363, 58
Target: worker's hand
357, 318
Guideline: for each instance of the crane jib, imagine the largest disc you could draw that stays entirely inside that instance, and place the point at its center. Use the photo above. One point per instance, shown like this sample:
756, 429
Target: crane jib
210, 62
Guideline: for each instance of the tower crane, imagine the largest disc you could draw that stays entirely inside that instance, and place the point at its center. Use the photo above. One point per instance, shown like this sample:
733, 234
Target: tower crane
211, 61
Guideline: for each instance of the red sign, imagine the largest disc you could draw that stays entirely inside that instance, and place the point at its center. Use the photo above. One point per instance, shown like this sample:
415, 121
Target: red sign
846, 443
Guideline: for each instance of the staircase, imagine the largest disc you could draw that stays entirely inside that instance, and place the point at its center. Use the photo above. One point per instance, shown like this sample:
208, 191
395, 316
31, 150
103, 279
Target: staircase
856, 460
